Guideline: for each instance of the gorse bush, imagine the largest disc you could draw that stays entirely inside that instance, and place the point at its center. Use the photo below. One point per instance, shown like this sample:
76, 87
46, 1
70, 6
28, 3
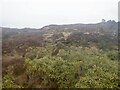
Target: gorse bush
101, 72
37, 52
113, 55
8, 82
53, 70
72, 68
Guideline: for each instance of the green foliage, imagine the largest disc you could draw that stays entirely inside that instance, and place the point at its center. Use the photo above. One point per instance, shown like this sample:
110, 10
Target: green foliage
8, 82
113, 55
53, 69
35, 52
101, 73
98, 71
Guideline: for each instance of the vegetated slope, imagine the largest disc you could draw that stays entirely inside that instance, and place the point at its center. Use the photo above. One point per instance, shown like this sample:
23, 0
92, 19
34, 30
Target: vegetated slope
61, 56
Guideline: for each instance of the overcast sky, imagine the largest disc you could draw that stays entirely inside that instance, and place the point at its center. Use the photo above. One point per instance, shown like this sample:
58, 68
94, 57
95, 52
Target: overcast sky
38, 13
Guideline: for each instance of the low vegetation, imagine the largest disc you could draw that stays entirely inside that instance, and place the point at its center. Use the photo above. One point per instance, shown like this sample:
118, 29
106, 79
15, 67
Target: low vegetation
79, 60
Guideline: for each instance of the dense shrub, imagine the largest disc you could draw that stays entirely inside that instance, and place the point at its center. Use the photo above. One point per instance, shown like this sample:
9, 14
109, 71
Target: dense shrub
93, 69
8, 82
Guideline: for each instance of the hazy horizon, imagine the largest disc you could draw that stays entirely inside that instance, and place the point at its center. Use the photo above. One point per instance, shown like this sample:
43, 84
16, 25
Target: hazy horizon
39, 13
51, 24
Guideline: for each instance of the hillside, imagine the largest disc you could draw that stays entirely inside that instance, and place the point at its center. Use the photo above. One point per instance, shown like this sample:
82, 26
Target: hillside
61, 56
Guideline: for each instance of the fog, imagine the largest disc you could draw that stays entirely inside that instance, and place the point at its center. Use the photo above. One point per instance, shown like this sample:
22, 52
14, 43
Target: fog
38, 13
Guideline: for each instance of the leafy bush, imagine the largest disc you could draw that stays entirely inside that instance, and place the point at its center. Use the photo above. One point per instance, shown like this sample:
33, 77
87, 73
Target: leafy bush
53, 69
72, 67
8, 82
113, 55
97, 71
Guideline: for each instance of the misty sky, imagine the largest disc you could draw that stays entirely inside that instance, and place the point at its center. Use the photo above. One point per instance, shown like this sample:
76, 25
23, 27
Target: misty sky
38, 13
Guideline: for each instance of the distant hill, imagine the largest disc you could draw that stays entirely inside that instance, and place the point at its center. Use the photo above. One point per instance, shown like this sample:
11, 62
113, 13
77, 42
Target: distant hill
103, 35
109, 27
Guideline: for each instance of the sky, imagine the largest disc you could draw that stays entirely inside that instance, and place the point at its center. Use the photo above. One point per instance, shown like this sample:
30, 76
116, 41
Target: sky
38, 13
